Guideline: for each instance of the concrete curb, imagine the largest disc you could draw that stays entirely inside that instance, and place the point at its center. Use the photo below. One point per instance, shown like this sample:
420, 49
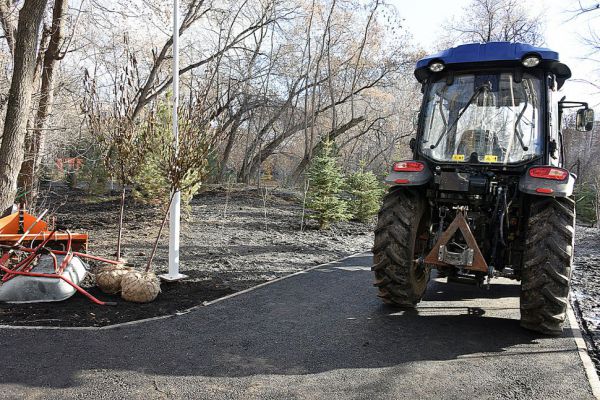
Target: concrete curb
588, 364
187, 311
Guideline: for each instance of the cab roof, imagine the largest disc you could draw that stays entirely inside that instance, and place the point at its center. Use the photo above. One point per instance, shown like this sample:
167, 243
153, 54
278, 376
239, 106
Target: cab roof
473, 55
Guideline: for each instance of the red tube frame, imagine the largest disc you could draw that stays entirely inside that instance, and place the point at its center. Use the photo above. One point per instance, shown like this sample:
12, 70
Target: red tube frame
56, 276
21, 267
23, 264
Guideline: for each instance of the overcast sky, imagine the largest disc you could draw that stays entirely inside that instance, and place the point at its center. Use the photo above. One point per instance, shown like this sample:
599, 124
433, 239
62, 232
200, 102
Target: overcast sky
424, 18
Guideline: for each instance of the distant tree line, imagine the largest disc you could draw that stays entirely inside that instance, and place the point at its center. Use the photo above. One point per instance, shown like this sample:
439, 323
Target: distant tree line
263, 83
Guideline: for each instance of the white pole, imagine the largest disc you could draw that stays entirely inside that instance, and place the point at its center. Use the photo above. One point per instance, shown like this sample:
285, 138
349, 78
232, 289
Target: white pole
175, 210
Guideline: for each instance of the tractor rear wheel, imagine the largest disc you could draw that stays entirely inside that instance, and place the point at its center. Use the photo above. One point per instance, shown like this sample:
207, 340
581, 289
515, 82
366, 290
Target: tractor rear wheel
400, 240
547, 264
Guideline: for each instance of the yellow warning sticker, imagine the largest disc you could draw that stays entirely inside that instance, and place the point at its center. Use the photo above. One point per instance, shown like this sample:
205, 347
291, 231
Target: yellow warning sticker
490, 158
458, 157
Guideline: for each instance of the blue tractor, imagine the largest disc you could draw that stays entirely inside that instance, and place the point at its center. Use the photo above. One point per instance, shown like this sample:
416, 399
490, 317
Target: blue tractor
486, 192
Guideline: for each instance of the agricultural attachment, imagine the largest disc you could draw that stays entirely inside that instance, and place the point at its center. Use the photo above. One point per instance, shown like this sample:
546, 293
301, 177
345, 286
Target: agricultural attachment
38, 264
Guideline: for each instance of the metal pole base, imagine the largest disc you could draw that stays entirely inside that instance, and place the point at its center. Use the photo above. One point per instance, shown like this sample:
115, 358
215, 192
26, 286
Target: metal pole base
172, 278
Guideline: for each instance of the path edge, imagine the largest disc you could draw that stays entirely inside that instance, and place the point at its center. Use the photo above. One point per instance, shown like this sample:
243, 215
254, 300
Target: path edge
186, 311
588, 365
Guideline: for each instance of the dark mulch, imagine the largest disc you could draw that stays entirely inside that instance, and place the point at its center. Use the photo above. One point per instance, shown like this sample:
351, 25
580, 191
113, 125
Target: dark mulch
232, 241
79, 311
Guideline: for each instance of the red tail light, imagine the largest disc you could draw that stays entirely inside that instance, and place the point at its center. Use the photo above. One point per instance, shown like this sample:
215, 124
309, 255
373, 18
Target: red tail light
544, 190
557, 174
408, 166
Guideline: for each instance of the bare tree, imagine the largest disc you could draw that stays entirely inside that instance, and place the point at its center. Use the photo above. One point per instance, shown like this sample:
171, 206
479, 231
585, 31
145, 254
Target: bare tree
586, 7
485, 21
35, 139
197, 9
11, 149
271, 77
591, 41
8, 20
327, 79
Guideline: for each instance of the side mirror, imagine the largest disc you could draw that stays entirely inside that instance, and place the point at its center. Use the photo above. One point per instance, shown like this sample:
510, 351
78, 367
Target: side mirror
585, 120
412, 144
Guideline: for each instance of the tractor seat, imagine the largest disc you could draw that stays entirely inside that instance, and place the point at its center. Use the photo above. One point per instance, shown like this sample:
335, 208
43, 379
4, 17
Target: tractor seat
478, 141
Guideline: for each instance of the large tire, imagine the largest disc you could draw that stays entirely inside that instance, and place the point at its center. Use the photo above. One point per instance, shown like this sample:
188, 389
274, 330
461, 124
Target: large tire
547, 264
402, 219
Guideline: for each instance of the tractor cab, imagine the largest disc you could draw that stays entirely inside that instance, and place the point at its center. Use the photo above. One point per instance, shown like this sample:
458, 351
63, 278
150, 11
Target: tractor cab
486, 193
494, 103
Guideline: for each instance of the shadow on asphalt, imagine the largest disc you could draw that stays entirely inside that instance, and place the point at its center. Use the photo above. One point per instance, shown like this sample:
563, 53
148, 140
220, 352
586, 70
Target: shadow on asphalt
443, 291
322, 320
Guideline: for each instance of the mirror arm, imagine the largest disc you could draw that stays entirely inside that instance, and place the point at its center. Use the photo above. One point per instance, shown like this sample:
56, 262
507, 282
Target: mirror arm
571, 104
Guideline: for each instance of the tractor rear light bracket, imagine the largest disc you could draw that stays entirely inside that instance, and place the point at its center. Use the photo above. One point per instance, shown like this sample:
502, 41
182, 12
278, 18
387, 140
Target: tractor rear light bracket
409, 173
547, 180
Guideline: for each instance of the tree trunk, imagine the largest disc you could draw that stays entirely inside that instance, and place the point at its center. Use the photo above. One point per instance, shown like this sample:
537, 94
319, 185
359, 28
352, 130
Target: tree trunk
19, 98
7, 20
332, 135
34, 145
227, 152
121, 213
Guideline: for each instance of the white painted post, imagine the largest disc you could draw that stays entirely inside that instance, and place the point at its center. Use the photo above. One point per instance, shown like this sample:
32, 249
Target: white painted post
175, 210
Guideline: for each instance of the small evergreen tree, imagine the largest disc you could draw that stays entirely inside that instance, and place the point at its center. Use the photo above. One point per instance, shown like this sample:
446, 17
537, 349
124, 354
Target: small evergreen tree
325, 184
159, 168
366, 193
586, 197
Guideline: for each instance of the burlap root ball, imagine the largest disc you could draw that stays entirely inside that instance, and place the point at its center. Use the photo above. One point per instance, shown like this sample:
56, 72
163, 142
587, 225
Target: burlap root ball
140, 287
109, 278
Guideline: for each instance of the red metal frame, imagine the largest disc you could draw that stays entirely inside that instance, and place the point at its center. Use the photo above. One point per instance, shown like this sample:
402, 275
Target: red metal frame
12, 237
22, 267
75, 253
23, 264
56, 276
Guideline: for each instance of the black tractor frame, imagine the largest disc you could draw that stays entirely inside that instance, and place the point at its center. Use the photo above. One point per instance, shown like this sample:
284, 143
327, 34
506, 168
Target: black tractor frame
474, 217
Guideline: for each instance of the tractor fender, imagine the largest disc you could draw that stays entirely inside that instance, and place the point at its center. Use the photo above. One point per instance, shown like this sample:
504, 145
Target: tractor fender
547, 187
403, 178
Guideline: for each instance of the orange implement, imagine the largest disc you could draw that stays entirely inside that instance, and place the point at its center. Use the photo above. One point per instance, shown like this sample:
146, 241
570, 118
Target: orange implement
21, 221
13, 226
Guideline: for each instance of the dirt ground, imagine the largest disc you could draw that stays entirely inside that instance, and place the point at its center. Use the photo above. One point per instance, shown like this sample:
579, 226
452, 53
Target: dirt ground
585, 292
234, 239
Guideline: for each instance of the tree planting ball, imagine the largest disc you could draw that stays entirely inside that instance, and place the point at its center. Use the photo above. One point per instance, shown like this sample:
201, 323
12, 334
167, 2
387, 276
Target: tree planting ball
109, 278
140, 287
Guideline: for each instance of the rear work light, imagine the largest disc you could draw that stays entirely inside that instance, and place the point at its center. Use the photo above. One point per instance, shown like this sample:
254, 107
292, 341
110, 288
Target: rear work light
557, 174
436, 66
408, 166
530, 61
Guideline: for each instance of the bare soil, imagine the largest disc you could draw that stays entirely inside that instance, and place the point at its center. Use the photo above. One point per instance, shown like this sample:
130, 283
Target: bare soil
233, 239
585, 287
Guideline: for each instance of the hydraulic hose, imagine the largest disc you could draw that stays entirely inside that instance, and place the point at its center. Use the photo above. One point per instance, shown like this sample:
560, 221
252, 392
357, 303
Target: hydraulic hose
495, 215
504, 212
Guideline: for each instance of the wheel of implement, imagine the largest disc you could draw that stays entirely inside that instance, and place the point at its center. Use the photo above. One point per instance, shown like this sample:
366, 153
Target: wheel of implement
547, 264
400, 242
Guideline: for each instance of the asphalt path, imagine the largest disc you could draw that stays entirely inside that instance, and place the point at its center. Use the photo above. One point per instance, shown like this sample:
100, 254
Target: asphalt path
322, 334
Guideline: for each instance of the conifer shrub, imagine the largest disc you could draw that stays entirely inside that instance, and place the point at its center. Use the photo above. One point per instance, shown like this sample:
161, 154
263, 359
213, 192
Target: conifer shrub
154, 178
93, 173
365, 192
325, 185
586, 197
